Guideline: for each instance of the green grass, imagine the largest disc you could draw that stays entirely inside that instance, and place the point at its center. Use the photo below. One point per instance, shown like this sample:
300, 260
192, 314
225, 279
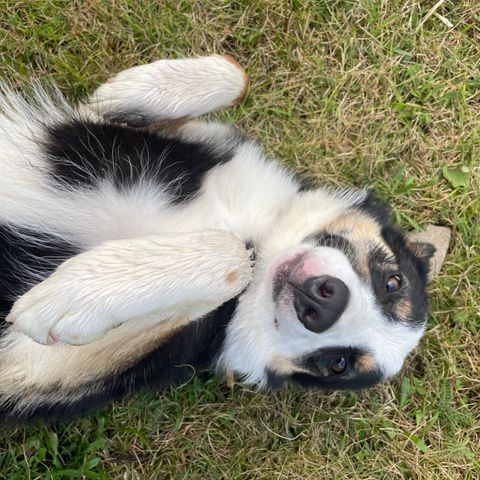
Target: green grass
357, 92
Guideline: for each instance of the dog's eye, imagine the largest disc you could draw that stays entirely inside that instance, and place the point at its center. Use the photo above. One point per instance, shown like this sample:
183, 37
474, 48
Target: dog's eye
339, 365
393, 284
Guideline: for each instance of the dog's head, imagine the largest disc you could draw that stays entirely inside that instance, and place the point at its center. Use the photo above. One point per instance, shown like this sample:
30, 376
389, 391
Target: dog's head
338, 298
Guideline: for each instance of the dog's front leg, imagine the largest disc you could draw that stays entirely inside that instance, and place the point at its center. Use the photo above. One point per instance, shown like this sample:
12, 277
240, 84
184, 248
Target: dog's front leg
169, 90
161, 276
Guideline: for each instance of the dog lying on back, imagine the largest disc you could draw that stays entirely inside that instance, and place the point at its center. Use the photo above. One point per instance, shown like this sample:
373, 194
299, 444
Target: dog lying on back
137, 242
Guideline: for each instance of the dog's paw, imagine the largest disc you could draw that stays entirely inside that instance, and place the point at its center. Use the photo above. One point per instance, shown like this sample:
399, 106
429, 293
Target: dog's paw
49, 313
67, 307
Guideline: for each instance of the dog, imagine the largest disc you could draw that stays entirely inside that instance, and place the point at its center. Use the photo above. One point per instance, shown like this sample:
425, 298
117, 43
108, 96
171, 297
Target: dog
139, 244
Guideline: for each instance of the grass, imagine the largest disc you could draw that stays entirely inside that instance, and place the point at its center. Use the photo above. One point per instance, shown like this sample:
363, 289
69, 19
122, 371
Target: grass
353, 92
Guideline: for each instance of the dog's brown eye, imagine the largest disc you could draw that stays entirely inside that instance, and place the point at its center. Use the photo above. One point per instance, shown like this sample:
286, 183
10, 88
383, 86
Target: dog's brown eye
393, 284
339, 365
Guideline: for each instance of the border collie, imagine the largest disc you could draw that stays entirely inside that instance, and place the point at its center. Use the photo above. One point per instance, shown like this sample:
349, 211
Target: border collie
138, 243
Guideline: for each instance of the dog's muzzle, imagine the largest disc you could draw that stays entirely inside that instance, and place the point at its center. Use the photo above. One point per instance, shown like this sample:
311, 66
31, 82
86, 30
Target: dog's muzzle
320, 301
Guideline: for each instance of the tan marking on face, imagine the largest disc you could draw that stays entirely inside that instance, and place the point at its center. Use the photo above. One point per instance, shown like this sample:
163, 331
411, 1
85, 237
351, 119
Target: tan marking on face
361, 263
363, 232
366, 363
285, 366
403, 309
231, 277
356, 224
282, 365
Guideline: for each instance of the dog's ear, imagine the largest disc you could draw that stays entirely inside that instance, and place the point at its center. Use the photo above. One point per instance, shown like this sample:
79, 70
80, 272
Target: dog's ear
431, 247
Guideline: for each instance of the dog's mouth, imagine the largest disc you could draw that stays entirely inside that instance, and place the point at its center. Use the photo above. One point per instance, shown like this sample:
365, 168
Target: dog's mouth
284, 275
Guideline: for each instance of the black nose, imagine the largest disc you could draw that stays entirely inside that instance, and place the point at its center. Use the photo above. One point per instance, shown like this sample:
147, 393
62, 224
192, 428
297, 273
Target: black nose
320, 301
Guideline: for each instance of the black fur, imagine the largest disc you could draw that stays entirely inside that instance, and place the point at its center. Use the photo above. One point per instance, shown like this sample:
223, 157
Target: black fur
318, 363
376, 208
26, 257
412, 268
414, 272
137, 119
194, 347
326, 239
82, 153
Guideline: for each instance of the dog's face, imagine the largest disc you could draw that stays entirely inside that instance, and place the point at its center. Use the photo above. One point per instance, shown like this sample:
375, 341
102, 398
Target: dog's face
339, 295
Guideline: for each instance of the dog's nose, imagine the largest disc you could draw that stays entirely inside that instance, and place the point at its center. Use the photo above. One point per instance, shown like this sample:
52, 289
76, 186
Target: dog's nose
320, 301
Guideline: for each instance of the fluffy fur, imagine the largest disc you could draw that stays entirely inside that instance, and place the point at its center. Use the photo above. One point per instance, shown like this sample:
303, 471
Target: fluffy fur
125, 236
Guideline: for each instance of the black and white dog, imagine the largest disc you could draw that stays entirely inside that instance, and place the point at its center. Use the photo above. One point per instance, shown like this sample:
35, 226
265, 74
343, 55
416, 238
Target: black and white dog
127, 237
